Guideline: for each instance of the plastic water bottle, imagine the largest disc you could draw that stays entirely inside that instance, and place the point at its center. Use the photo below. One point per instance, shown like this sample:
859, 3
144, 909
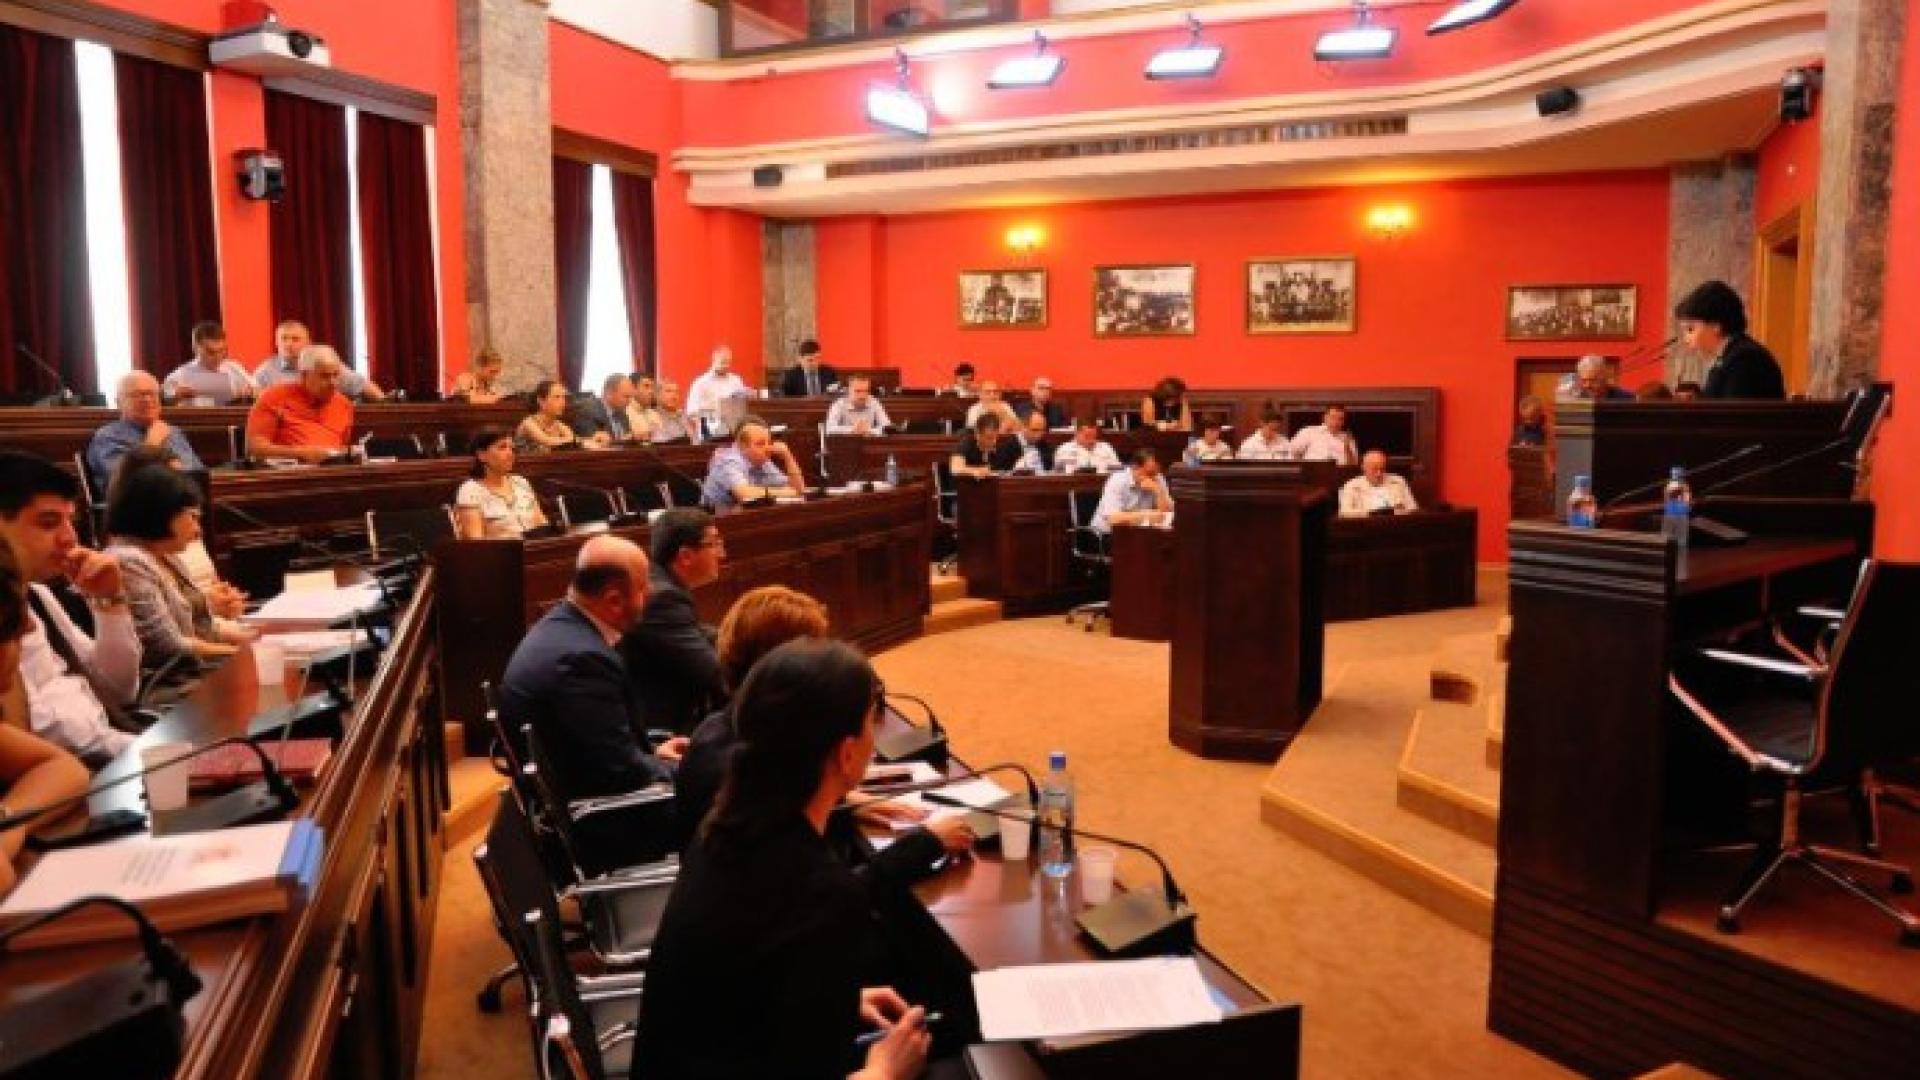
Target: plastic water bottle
1676, 509
1056, 818
1582, 508
893, 472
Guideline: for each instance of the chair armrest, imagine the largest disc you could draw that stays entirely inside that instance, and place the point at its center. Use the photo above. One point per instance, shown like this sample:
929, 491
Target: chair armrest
630, 879
623, 984
1714, 724
1826, 614
625, 1031
1770, 664
646, 796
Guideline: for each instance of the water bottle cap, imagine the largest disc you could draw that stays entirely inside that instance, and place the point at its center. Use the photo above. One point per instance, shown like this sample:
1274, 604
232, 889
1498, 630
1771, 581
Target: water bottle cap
1057, 759
1582, 481
1678, 473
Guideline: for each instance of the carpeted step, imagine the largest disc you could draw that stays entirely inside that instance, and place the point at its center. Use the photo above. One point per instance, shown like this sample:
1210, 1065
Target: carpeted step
1336, 789
1496, 729
1502, 635
475, 790
1468, 668
948, 587
948, 615
1443, 774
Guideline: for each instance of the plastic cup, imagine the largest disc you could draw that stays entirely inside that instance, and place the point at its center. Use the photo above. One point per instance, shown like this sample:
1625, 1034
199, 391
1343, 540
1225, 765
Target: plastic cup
1096, 874
270, 662
166, 788
1016, 836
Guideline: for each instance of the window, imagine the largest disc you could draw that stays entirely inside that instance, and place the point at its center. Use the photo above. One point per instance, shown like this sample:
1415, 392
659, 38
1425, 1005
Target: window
609, 337
106, 215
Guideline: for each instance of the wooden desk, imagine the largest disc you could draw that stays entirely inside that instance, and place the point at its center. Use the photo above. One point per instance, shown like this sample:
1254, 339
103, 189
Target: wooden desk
1143, 594
1623, 445
1013, 540
864, 556
334, 988
1378, 566
1602, 772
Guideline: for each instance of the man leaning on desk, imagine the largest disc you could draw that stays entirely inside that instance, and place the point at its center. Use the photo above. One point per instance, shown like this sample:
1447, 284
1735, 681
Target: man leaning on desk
1136, 495
754, 467
982, 451
1375, 490
309, 420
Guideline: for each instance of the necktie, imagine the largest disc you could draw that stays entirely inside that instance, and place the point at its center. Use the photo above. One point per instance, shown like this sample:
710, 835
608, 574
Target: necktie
813, 382
617, 421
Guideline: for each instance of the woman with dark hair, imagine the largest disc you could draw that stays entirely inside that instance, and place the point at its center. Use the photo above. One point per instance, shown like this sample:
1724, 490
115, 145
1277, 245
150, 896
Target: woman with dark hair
543, 429
757, 967
33, 772
153, 513
1713, 323
1166, 408
227, 601
495, 503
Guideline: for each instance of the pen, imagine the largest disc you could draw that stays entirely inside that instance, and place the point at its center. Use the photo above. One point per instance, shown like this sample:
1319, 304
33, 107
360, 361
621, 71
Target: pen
871, 1037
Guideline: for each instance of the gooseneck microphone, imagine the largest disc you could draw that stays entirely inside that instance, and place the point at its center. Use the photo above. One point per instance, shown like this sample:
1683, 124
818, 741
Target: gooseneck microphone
1772, 467
63, 394
914, 743
1692, 470
266, 800
1140, 923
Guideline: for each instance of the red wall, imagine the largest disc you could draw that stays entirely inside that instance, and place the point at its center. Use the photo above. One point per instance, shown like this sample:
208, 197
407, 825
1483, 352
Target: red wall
709, 260
1431, 303
1787, 172
1896, 482
410, 45
1270, 56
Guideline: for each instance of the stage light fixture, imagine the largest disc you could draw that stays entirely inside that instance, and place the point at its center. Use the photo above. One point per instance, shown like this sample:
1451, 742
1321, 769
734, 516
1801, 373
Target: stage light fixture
1025, 72
1361, 41
897, 107
1468, 13
1190, 61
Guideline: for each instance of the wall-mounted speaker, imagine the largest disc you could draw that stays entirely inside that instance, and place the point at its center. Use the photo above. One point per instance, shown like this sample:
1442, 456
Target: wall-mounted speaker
261, 174
1559, 99
768, 176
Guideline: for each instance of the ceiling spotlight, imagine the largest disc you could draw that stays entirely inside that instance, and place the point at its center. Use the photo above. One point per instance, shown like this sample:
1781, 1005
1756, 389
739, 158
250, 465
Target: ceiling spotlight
1361, 41
1467, 13
1023, 72
897, 107
1190, 61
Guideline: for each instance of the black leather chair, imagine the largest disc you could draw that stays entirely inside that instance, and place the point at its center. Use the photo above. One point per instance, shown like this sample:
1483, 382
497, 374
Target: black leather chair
580, 1032
1835, 722
946, 516
1091, 552
578, 508
408, 532
398, 447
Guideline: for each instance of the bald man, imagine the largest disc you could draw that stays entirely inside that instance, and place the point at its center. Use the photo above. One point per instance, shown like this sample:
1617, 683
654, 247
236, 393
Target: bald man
567, 681
138, 397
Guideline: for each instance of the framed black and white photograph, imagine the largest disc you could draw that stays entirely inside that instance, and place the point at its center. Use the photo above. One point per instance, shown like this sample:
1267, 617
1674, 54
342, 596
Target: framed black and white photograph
1572, 312
1301, 295
1003, 299
1143, 301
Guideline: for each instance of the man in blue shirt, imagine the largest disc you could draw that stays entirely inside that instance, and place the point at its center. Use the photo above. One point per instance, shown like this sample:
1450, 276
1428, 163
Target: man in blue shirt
1136, 495
138, 396
290, 339
754, 467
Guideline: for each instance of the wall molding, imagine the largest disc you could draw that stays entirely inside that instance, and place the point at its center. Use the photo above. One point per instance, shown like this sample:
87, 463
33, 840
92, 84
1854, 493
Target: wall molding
361, 92
593, 150
123, 32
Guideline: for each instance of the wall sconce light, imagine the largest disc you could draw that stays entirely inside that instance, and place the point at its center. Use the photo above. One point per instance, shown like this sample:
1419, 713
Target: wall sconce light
1390, 222
1025, 239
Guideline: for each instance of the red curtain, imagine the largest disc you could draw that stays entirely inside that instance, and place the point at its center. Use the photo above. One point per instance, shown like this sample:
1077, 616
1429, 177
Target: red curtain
166, 183
46, 303
633, 225
312, 252
396, 244
573, 259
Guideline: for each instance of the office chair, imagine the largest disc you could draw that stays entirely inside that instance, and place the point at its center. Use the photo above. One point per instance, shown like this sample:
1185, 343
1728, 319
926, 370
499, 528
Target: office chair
587, 508
1837, 727
236, 445
639, 500
398, 447
579, 1032
96, 515
946, 514
408, 532
1088, 548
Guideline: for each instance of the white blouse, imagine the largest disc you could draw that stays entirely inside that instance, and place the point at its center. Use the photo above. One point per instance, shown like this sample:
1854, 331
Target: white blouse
502, 517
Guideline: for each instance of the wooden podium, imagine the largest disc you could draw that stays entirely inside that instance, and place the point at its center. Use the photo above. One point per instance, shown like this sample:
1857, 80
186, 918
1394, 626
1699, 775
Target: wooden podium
1249, 624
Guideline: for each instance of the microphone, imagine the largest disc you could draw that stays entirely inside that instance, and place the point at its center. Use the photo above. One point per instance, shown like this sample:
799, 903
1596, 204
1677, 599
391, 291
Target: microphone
1775, 466
123, 1020
64, 394
1692, 470
266, 800
1137, 923
888, 791
613, 505
928, 744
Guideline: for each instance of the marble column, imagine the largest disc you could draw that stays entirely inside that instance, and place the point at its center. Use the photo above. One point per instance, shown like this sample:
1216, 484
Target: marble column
1858, 101
1710, 209
790, 300
506, 141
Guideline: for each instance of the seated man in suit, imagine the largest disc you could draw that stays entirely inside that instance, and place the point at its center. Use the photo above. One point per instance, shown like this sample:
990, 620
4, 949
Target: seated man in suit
858, 413
1136, 495
1375, 490
809, 377
982, 451
603, 420
569, 683
754, 467
670, 654
1035, 455
1086, 451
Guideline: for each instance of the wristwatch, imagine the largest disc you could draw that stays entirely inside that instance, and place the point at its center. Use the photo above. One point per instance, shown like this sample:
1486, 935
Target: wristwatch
107, 603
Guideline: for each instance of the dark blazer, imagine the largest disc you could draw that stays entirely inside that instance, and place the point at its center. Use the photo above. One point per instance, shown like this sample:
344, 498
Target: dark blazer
1004, 455
1046, 454
758, 963
794, 382
1056, 413
591, 416
676, 672
1745, 370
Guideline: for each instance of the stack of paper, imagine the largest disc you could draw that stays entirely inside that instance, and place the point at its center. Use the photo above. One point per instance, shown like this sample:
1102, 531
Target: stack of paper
978, 792
317, 609
194, 879
1059, 1001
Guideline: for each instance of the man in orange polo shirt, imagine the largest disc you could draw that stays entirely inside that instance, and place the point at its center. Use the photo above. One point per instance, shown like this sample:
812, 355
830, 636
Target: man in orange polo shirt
308, 420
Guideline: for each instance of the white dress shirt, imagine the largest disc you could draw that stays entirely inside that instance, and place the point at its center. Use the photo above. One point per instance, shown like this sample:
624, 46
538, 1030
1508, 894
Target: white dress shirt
1360, 497
842, 414
223, 385
1257, 447
1316, 443
709, 390
62, 706
1070, 456
1123, 494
